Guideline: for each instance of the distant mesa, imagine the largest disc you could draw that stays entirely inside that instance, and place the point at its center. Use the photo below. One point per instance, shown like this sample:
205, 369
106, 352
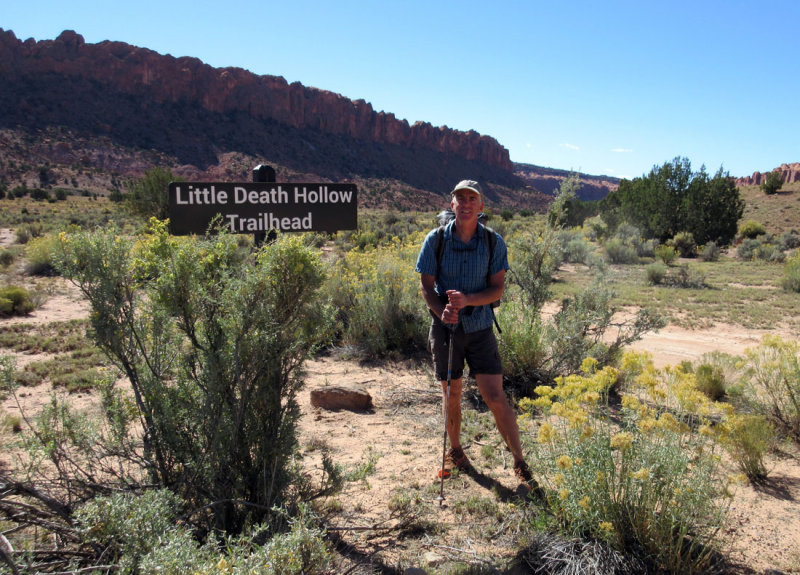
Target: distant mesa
789, 172
232, 93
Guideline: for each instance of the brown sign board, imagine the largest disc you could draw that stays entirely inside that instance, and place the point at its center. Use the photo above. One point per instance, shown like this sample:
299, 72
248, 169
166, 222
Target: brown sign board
255, 207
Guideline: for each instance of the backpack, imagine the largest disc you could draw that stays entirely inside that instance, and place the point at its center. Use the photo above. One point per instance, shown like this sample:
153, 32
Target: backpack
446, 217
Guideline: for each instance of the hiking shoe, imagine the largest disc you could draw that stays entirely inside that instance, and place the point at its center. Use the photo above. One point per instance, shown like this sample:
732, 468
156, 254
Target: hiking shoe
523, 474
455, 458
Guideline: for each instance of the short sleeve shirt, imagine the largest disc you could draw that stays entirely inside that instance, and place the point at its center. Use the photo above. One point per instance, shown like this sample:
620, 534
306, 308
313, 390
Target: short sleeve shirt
463, 268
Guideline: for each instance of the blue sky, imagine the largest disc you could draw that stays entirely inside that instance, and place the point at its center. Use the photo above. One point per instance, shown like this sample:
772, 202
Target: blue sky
603, 87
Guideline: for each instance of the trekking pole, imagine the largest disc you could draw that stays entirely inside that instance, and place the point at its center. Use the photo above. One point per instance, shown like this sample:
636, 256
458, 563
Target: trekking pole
442, 472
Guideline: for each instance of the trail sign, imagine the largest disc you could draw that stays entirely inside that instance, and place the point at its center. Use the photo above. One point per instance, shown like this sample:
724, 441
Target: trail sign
253, 207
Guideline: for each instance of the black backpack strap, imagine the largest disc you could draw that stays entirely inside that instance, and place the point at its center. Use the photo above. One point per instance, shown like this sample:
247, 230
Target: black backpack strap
491, 242
438, 247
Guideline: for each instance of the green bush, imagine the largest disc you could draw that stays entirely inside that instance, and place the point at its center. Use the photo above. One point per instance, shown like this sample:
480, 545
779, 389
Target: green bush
378, 301
619, 252
655, 273
534, 257
752, 229
7, 256
25, 233
666, 253
687, 277
39, 256
748, 439
791, 274
711, 381
772, 183
710, 252
789, 240
212, 340
15, 300
684, 243
771, 383
748, 249
127, 526
574, 247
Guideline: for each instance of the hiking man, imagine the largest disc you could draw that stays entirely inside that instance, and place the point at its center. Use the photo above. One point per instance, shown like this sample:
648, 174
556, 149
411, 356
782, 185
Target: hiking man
459, 287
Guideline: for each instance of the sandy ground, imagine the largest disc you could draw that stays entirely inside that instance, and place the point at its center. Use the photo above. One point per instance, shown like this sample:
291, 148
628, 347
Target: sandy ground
402, 435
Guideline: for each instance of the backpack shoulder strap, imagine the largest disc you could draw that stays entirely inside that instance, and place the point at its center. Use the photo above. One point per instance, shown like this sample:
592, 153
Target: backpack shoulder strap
491, 242
438, 247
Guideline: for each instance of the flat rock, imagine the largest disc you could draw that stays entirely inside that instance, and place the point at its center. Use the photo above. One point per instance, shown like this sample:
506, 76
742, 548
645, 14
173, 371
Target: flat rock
341, 397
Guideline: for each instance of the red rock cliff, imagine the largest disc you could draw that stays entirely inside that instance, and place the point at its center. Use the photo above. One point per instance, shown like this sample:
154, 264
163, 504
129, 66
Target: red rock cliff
790, 173
136, 71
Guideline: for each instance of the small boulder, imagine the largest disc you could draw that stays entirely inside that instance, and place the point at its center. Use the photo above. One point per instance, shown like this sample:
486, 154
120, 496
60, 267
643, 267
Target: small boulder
340, 397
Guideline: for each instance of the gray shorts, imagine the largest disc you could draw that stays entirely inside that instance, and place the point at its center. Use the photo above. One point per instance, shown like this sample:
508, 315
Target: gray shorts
478, 349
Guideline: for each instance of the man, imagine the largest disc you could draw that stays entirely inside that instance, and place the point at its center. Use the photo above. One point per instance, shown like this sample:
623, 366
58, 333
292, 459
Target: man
459, 292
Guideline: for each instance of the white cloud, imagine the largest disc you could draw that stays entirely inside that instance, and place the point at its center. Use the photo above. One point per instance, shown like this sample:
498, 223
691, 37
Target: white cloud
621, 150
569, 146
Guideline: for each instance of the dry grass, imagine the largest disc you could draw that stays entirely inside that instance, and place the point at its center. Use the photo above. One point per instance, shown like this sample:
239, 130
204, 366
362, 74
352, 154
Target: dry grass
778, 212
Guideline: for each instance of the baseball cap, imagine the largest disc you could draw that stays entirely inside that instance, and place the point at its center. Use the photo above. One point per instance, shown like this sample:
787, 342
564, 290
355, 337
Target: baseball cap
468, 185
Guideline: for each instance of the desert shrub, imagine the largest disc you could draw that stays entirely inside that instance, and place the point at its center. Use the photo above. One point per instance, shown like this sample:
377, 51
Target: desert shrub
522, 349
574, 247
301, 549
748, 439
789, 240
687, 277
751, 229
646, 484
127, 526
647, 248
378, 301
39, 194
711, 381
655, 273
771, 383
26, 232
534, 256
39, 256
596, 228
212, 340
746, 251
8, 256
575, 332
147, 196
15, 300
684, 243
769, 252
619, 252
139, 534
791, 274
666, 253
710, 252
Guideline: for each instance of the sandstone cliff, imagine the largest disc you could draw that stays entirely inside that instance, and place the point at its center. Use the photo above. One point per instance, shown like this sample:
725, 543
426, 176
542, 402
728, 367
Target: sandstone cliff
790, 173
183, 107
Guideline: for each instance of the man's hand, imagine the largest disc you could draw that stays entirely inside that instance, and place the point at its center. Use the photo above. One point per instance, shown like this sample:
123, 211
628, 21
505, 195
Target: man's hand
456, 299
449, 314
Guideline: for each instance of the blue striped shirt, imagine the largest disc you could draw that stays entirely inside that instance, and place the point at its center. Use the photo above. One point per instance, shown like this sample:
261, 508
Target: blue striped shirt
464, 268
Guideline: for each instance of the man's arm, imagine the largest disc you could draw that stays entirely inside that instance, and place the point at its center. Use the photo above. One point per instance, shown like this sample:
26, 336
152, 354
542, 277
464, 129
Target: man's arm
447, 313
493, 292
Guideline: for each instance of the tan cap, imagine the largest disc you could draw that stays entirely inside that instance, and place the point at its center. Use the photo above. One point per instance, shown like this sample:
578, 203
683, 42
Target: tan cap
468, 185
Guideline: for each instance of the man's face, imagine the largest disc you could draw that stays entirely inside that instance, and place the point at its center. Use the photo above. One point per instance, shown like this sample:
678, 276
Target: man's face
466, 204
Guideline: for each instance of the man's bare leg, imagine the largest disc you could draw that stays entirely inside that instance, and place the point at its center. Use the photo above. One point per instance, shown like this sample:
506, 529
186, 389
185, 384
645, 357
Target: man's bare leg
491, 388
454, 407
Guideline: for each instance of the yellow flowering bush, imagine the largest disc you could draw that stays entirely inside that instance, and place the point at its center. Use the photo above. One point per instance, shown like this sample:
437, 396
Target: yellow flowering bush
638, 474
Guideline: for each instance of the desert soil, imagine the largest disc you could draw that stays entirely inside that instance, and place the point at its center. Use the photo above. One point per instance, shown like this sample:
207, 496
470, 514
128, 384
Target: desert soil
402, 436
